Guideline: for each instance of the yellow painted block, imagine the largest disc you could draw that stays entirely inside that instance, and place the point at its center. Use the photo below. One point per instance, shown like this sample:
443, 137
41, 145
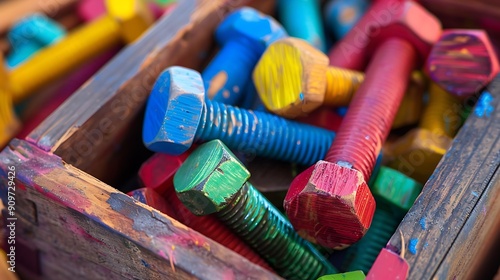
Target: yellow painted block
134, 17
291, 77
9, 124
66, 55
411, 107
127, 20
442, 114
417, 153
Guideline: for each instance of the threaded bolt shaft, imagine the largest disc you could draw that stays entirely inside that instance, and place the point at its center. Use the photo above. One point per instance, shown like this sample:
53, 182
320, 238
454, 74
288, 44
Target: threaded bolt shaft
373, 108
263, 134
341, 84
261, 225
440, 112
212, 228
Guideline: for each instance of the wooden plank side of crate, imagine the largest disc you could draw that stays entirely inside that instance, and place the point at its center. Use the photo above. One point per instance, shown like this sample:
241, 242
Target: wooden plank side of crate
90, 124
474, 254
65, 212
447, 203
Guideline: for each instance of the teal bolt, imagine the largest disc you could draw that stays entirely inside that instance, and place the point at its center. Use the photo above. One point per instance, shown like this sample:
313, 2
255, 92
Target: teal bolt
30, 35
302, 19
177, 114
212, 180
394, 193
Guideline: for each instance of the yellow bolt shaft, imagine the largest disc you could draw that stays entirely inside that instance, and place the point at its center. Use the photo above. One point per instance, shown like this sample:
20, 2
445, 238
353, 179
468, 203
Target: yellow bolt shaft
64, 56
341, 84
440, 115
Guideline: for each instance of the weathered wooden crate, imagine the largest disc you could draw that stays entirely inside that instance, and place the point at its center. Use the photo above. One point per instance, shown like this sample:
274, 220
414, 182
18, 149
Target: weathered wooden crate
82, 228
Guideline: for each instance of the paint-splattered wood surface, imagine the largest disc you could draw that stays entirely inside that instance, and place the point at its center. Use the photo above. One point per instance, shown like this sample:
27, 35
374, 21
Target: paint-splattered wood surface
447, 221
102, 233
475, 252
87, 128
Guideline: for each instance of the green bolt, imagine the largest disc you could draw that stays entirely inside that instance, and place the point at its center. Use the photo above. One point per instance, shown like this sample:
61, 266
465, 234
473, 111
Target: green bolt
394, 193
213, 180
353, 275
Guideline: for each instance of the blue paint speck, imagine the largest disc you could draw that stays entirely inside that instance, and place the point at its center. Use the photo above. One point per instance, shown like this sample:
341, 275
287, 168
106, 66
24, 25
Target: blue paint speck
301, 96
413, 246
426, 245
483, 106
475, 194
145, 263
423, 225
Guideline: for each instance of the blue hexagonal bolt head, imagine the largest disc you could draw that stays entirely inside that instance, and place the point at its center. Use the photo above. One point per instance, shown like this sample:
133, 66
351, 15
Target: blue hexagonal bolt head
244, 35
30, 35
177, 115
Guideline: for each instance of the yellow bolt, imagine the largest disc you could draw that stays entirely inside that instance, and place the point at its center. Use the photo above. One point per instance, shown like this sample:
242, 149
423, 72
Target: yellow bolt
9, 124
293, 78
411, 107
441, 116
418, 152
125, 21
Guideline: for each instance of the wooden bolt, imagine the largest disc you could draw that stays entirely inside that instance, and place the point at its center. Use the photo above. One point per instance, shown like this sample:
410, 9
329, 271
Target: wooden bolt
332, 195
462, 62
293, 78
123, 24
418, 152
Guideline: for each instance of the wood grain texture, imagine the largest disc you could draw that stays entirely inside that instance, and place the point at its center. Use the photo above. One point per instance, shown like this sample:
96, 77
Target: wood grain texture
107, 104
441, 220
103, 233
12, 11
474, 254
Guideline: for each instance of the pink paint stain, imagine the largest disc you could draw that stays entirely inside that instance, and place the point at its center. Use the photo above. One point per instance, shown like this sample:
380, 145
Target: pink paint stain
65, 196
76, 229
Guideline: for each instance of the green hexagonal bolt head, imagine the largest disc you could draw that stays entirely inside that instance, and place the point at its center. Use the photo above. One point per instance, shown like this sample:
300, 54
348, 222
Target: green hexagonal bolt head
213, 180
212, 177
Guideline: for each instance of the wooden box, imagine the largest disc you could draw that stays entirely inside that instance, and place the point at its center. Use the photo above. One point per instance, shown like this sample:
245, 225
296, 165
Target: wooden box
79, 227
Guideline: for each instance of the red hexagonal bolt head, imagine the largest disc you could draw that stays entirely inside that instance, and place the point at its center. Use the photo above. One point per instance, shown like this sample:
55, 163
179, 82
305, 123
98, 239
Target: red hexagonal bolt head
330, 203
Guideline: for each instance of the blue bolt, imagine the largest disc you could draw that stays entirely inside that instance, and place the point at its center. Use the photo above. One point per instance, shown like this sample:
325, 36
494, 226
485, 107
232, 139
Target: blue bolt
244, 35
342, 15
302, 19
177, 114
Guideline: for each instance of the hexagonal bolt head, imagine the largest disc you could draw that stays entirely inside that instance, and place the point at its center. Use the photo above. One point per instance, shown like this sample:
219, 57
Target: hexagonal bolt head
210, 178
330, 205
417, 153
395, 191
290, 77
173, 111
409, 21
256, 29
462, 62
133, 16
351, 275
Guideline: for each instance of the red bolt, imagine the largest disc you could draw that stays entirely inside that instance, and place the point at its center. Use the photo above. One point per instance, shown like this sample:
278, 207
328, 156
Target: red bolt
354, 50
330, 203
